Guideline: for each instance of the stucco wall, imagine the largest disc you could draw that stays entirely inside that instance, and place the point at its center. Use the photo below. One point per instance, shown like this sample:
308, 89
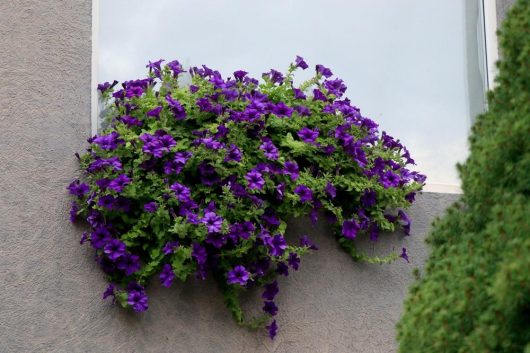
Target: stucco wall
50, 296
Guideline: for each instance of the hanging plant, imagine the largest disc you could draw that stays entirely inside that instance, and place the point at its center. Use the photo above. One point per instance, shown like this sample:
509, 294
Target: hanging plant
199, 179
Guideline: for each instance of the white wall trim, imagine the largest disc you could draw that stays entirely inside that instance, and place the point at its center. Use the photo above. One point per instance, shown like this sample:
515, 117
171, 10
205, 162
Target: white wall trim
94, 67
492, 46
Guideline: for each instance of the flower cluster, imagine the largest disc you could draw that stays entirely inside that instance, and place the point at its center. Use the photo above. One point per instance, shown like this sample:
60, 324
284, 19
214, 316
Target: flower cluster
200, 179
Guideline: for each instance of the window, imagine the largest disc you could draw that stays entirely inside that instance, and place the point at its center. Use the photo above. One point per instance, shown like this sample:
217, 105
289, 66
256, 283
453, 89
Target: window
417, 67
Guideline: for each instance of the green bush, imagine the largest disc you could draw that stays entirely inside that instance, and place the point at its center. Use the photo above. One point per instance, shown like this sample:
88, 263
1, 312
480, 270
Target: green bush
474, 294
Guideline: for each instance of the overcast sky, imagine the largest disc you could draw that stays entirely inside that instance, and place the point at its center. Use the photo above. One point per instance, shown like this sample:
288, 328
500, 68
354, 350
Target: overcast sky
404, 61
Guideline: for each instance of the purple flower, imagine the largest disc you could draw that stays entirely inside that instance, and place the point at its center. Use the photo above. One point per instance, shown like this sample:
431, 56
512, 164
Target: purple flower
138, 300
306, 242
73, 211
129, 263
109, 291
281, 109
294, 261
170, 247
239, 275
405, 222
270, 291
175, 67
336, 87
324, 71
233, 154
99, 237
239, 74
410, 197
304, 193
291, 169
103, 87
307, 135
274, 75
78, 189
318, 95
331, 190
212, 221
167, 275
107, 201
182, 192
130, 121
389, 179
108, 142
368, 198
119, 183
199, 253
151, 207
282, 269
273, 329
298, 94
270, 308
178, 110
277, 245
350, 229
155, 112
102, 163
114, 249
155, 67
404, 255
269, 150
255, 180
301, 63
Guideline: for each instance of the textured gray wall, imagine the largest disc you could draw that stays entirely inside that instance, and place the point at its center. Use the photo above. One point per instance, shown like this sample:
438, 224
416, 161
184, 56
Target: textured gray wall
502, 8
50, 297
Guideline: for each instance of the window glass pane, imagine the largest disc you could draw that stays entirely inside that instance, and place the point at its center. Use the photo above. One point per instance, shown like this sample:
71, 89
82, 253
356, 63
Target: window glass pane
413, 66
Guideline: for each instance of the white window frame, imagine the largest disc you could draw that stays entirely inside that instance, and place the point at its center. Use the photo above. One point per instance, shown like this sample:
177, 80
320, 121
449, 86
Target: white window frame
491, 54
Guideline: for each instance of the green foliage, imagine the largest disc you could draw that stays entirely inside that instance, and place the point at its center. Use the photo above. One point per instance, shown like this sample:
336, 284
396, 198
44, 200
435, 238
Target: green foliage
474, 295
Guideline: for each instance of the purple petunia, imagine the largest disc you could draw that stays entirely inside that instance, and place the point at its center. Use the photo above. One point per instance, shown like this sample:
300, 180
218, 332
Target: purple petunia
331, 190
277, 245
304, 193
155, 112
129, 263
404, 255
282, 110
307, 135
405, 221
182, 192
167, 275
233, 154
294, 261
78, 189
269, 150
169, 247
199, 253
324, 71
119, 183
291, 169
272, 329
151, 207
301, 63
108, 142
212, 221
176, 108
238, 275
114, 249
306, 242
255, 180
368, 198
271, 290
137, 300
270, 308
350, 229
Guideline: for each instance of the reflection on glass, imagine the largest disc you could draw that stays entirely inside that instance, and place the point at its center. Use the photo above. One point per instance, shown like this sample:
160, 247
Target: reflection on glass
414, 66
